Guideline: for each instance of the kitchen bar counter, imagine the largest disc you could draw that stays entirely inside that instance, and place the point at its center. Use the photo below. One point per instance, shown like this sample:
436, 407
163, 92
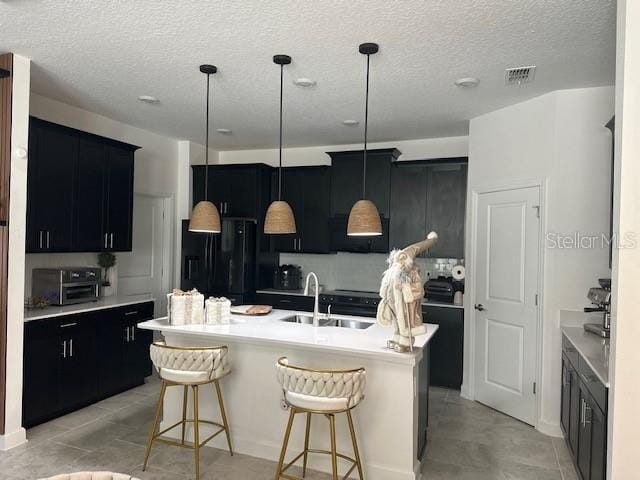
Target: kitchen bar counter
390, 421
594, 349
102, 303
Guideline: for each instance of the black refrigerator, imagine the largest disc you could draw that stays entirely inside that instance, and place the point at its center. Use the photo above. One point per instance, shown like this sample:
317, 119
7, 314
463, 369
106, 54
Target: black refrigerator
222, 264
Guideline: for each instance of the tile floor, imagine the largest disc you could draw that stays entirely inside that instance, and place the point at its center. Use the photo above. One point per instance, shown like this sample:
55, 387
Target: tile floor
467, 442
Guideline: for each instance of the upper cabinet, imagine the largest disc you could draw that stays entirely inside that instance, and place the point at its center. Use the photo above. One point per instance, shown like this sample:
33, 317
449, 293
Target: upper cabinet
79, 191
429, 196
306, 190
346, 189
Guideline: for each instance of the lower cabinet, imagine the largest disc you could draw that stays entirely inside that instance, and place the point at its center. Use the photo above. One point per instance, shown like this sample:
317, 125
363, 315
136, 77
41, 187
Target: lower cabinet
583, 416
285, 302
447, 346
74, 360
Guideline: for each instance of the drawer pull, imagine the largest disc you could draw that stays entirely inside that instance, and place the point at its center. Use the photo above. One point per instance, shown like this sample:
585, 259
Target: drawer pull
131, 313
285, 301
65, 325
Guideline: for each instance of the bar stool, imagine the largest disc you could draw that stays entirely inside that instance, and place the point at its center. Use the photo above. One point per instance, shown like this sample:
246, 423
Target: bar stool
320, 392
189, 367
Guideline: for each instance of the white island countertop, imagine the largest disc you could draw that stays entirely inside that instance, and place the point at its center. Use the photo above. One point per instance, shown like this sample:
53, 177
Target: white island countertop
369, 342
102, 303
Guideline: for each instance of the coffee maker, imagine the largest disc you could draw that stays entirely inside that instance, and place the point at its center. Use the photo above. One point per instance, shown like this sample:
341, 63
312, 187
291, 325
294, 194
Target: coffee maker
600, 297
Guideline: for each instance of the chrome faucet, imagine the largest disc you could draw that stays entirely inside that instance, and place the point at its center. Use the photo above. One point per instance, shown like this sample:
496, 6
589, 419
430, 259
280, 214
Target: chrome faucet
316, 320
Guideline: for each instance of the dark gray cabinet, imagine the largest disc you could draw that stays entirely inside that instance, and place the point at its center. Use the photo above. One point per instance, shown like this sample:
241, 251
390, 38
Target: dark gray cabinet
447, 346
583, 416
346, 189
285, 302
306, 189
429, 196
74, 360
79, 191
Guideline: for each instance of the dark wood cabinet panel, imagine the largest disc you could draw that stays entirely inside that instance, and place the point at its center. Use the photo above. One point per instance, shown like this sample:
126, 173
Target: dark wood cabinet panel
74, 360
51, 187
574, 412
79, 192
346, 189
408, 222
565, 396
447, 346
286, 302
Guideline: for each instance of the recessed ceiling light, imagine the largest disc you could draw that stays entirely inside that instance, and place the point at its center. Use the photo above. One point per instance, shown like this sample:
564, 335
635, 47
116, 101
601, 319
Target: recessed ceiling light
224, 131
304, 82
467, 82
351, 123
148, 99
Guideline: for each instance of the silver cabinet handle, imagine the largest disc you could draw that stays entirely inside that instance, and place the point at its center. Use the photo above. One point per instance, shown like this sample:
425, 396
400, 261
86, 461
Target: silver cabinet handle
71, 347
582, 411
300, 244
132, 312
133, 333
111, 241
105, 239
127, 330
48, 238
65, 325
587, 414
64, 349
40, 242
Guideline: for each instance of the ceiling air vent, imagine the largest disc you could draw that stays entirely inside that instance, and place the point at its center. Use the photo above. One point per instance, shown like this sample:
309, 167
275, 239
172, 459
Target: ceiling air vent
519, 75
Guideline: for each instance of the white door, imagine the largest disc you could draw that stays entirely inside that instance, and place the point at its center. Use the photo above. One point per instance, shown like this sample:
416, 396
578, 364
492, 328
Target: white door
144, 270
506, 312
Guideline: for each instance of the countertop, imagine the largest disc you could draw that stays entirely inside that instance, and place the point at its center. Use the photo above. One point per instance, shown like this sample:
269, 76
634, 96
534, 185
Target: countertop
105, 302
594, 349
370, 342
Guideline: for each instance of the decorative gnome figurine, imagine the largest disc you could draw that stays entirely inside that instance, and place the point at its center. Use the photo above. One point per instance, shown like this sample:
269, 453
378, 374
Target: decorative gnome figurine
402, 292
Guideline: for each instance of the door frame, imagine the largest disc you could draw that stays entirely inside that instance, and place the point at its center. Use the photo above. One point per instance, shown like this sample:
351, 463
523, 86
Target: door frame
168, 233
468, 389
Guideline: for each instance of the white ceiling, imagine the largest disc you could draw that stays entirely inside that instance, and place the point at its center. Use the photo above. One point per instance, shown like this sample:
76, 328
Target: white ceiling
100, 55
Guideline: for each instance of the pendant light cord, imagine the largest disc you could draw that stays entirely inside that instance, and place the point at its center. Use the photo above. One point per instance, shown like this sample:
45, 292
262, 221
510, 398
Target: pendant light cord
280, 152
366, 131
206, 152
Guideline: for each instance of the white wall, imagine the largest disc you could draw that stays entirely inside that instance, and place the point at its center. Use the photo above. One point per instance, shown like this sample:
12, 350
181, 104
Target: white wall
14, 433
293, 157
624, 395
158, 171
559, 139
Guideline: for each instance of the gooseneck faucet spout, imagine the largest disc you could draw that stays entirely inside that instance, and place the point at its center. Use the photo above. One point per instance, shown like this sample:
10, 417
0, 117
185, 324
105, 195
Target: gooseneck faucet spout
316, 321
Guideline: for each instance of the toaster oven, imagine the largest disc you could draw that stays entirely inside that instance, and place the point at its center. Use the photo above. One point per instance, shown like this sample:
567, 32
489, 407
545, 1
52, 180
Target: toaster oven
66, 286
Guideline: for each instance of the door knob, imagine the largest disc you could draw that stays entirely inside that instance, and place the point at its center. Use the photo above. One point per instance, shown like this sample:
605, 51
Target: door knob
479, 307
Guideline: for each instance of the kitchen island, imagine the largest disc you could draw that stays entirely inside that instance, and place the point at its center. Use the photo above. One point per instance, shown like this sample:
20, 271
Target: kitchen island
390, 422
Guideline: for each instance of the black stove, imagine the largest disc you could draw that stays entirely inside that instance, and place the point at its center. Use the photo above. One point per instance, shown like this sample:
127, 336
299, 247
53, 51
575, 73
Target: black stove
350, 302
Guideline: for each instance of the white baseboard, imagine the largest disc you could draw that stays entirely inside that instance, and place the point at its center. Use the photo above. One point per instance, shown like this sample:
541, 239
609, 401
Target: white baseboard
12, 440
465, 392
549, 428
322, 463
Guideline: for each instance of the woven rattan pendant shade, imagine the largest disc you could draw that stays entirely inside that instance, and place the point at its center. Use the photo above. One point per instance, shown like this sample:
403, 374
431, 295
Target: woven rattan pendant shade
205, 218
279, 219
364, 220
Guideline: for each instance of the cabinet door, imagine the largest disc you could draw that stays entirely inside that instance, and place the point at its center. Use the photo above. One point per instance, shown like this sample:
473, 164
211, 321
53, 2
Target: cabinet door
42, 355
241, 195
408, 222
138, 361
90, 230
113, 334
120, 198
293, 194
315, 184
51, 188
565, 394
78, 383
598, 442
574, 411
447, 346
446, 197
584, 436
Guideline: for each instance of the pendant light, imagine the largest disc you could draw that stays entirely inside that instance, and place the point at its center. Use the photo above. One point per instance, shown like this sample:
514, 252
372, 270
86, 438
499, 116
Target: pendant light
205, 217
364, 219
279, 218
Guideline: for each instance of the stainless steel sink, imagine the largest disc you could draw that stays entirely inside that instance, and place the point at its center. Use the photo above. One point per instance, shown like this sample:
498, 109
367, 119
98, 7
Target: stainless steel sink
328, 322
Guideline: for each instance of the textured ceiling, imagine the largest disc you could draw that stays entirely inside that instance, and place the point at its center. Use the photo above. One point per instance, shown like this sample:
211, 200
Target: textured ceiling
100, 55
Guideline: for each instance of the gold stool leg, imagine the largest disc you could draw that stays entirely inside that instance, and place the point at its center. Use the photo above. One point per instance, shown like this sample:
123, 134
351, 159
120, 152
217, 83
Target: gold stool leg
355, 445
334, 458
285, 442
306, 445
224, 416
185, 400
156, 420
196, 431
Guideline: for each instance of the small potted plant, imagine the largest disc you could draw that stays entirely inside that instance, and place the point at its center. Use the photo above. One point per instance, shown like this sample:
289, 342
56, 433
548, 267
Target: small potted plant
106, 260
